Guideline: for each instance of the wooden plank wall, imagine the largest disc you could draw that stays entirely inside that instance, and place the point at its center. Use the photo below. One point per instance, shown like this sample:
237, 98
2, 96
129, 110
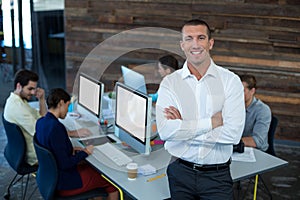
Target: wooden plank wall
260, 37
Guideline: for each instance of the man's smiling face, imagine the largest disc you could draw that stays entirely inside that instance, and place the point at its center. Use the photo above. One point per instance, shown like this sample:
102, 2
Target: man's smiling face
196, 44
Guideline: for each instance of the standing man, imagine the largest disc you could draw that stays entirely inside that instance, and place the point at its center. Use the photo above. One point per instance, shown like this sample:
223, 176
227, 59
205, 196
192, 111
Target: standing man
258, 116
200, 114
18, 111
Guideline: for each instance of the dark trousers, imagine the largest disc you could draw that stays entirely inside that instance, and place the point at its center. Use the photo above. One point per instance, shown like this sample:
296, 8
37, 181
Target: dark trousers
187, 183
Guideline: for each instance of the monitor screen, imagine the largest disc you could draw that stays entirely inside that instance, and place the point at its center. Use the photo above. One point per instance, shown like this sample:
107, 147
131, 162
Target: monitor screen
90, 94
133, 117
134, 79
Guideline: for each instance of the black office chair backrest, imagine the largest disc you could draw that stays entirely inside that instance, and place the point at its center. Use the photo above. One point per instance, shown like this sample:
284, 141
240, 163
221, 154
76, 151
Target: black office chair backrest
47, 172
271, 134
15, 149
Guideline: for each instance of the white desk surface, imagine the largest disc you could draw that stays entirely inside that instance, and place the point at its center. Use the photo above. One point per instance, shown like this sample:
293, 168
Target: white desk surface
159, 188
264, 162
139, 188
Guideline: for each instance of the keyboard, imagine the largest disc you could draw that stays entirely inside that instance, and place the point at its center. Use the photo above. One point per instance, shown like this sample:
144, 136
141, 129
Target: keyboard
114, 154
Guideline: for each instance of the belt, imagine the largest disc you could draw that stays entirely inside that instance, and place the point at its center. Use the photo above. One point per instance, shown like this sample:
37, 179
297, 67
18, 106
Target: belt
199, 167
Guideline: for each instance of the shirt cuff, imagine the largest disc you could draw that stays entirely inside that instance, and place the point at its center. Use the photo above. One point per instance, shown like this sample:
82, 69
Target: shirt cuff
204, 125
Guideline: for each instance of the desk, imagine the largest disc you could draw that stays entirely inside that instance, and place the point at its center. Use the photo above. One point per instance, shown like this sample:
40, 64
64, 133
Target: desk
159, 188
139, 188
264, 163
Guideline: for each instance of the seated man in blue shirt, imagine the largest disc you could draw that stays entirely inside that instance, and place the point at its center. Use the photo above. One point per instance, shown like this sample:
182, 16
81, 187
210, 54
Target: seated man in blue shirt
258, 116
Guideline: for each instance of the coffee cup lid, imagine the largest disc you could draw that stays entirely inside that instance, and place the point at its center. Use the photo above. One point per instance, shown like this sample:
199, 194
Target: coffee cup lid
132, 166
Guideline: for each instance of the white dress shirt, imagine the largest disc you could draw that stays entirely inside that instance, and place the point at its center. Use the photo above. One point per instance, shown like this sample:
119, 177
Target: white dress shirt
193, 138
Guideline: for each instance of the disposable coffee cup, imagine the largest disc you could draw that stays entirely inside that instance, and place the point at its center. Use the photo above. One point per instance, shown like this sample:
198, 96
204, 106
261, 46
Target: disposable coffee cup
132, 169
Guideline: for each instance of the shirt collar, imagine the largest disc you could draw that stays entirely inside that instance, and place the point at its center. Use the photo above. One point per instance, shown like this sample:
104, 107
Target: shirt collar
15, 96
211, 71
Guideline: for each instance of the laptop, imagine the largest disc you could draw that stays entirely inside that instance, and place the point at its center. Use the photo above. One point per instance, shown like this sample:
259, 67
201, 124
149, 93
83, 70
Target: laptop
134, 79
137, 82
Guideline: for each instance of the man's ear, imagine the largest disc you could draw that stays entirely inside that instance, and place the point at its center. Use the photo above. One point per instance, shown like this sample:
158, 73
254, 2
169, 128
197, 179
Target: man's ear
253, 90
181, 45
18, 88
211, 43
168, 70
60, 103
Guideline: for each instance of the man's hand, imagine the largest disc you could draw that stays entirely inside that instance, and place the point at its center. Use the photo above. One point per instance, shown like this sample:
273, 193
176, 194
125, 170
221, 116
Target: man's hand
40, 94
217, 120
172, 113
82, 132
249, 141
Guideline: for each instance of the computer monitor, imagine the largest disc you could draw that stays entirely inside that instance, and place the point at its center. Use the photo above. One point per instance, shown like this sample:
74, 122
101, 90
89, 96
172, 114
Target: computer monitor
133, 118
90, 93
134, 79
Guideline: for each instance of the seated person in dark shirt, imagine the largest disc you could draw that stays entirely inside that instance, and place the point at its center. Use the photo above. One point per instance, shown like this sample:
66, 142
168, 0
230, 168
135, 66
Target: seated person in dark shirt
75, 175
258, 116
166, 65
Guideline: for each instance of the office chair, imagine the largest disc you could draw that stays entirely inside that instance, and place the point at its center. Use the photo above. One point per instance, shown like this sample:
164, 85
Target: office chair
14, 152
47, 176
271, 134
270, 150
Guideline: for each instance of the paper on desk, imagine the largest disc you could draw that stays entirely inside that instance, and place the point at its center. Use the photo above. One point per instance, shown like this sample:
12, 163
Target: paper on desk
247, 156
146, 170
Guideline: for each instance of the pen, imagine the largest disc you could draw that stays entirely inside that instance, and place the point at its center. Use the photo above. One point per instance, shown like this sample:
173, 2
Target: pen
156, 177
